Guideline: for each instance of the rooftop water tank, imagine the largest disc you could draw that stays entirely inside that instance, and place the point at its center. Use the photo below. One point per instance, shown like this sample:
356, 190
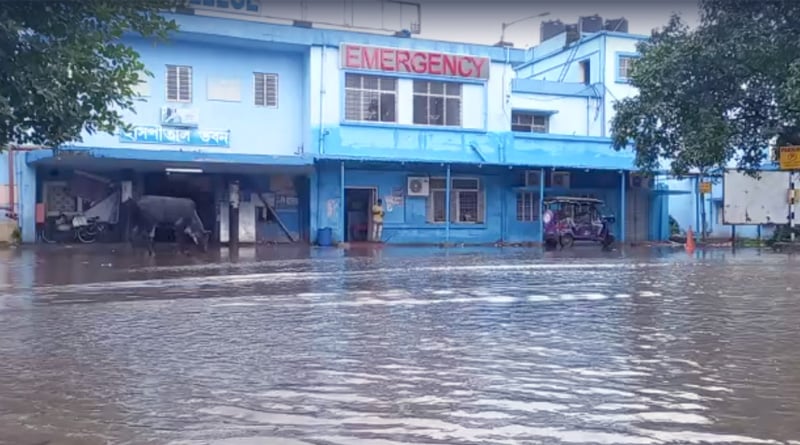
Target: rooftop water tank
617, 25
550, 29
573, 35
590, 24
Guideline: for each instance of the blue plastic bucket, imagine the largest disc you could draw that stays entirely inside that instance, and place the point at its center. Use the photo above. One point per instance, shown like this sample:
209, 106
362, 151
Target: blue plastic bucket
325, 237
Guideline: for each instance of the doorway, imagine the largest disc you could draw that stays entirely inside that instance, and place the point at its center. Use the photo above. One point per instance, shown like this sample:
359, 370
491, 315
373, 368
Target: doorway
358, 203
197, 187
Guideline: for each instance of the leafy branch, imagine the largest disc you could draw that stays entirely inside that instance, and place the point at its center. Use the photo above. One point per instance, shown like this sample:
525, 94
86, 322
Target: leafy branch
728, 90
66, 69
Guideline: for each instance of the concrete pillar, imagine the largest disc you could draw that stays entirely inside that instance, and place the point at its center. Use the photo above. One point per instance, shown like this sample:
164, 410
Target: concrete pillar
696, 192
233, 214
342, 204
26, 183
313, 204
541, 206
447, 205
622, 205
125, 196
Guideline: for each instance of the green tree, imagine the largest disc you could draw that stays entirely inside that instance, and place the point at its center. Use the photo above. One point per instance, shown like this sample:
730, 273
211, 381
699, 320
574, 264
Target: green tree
64, 68
728, 89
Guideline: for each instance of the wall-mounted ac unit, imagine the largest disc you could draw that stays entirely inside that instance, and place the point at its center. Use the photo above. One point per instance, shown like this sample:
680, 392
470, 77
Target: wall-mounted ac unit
532, 178
639, 181
560, 179
418, 186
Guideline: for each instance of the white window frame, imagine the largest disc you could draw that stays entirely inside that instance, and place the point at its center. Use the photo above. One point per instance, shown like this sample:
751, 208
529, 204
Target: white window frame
265, 78
361, 90
444, 96
431, 210
178, 84
627, 66
532, 214
455, 200
532, 127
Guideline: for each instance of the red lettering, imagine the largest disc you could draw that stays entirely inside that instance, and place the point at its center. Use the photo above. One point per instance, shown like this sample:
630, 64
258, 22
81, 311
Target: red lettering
351, 59
435, 63
479, 62
418, 63
401, 59
464, 68
370, 61
450, 65
388, 63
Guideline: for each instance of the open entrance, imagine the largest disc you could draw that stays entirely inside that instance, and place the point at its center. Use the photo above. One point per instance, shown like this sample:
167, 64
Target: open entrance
358, 201
197, 187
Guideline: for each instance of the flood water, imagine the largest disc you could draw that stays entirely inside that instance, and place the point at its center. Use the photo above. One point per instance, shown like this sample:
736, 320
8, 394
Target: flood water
399, 346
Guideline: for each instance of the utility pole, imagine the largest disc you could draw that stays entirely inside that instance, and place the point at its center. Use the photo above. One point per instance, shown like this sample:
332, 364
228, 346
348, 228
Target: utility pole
506, 25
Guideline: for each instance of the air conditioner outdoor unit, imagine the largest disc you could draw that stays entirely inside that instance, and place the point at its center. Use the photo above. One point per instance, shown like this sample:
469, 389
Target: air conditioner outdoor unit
559, 179
418, 186
639, 181
532, 178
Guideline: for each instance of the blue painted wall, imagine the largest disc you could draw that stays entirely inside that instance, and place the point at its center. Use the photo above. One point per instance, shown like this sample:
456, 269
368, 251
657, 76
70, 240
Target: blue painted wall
24, 195
4, 187
398, 143
253, 129
409, 223
555, 62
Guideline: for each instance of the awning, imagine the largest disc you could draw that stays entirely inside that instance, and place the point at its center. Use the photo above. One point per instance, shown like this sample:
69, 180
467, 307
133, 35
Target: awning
109, 159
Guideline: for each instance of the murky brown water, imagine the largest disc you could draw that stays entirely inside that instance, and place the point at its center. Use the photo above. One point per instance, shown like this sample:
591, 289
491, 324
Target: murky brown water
401, 346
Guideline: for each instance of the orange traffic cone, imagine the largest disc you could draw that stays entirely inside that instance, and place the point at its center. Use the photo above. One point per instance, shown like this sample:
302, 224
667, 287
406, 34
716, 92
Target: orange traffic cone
690, 246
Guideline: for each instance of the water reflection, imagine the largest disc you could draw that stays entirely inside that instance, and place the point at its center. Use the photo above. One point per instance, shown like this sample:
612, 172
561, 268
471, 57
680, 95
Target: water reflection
400, 346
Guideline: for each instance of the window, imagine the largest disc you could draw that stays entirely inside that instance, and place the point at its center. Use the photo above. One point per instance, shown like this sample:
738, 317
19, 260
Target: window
530, 122
179, 83
586, 72
527, 207
624, 67
370, 98
466, 203
265, 89
437, 201
437, 103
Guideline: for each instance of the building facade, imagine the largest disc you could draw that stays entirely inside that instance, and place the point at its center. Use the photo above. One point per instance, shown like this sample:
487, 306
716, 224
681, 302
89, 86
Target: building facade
298, 129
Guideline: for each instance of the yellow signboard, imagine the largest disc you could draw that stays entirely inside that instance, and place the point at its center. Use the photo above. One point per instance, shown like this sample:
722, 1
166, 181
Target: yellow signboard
790, 157
705, 187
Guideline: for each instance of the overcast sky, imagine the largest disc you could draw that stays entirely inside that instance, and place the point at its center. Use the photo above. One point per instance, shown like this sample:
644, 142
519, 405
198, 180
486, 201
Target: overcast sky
480, 21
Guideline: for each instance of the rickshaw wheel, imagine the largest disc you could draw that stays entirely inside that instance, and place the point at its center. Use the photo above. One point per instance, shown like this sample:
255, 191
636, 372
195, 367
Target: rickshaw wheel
567, 240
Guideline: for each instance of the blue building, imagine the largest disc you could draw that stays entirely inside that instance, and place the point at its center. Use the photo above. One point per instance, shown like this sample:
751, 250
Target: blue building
302, 128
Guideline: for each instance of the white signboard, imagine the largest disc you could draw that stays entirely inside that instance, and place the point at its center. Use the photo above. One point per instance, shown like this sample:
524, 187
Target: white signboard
179, 117
753, 201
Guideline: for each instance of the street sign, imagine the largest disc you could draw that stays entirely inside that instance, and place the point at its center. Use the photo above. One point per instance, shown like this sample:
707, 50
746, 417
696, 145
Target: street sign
790, 157
705, 187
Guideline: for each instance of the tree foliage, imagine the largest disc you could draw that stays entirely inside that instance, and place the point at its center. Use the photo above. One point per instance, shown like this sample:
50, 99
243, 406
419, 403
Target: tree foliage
64, 68
726, 90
